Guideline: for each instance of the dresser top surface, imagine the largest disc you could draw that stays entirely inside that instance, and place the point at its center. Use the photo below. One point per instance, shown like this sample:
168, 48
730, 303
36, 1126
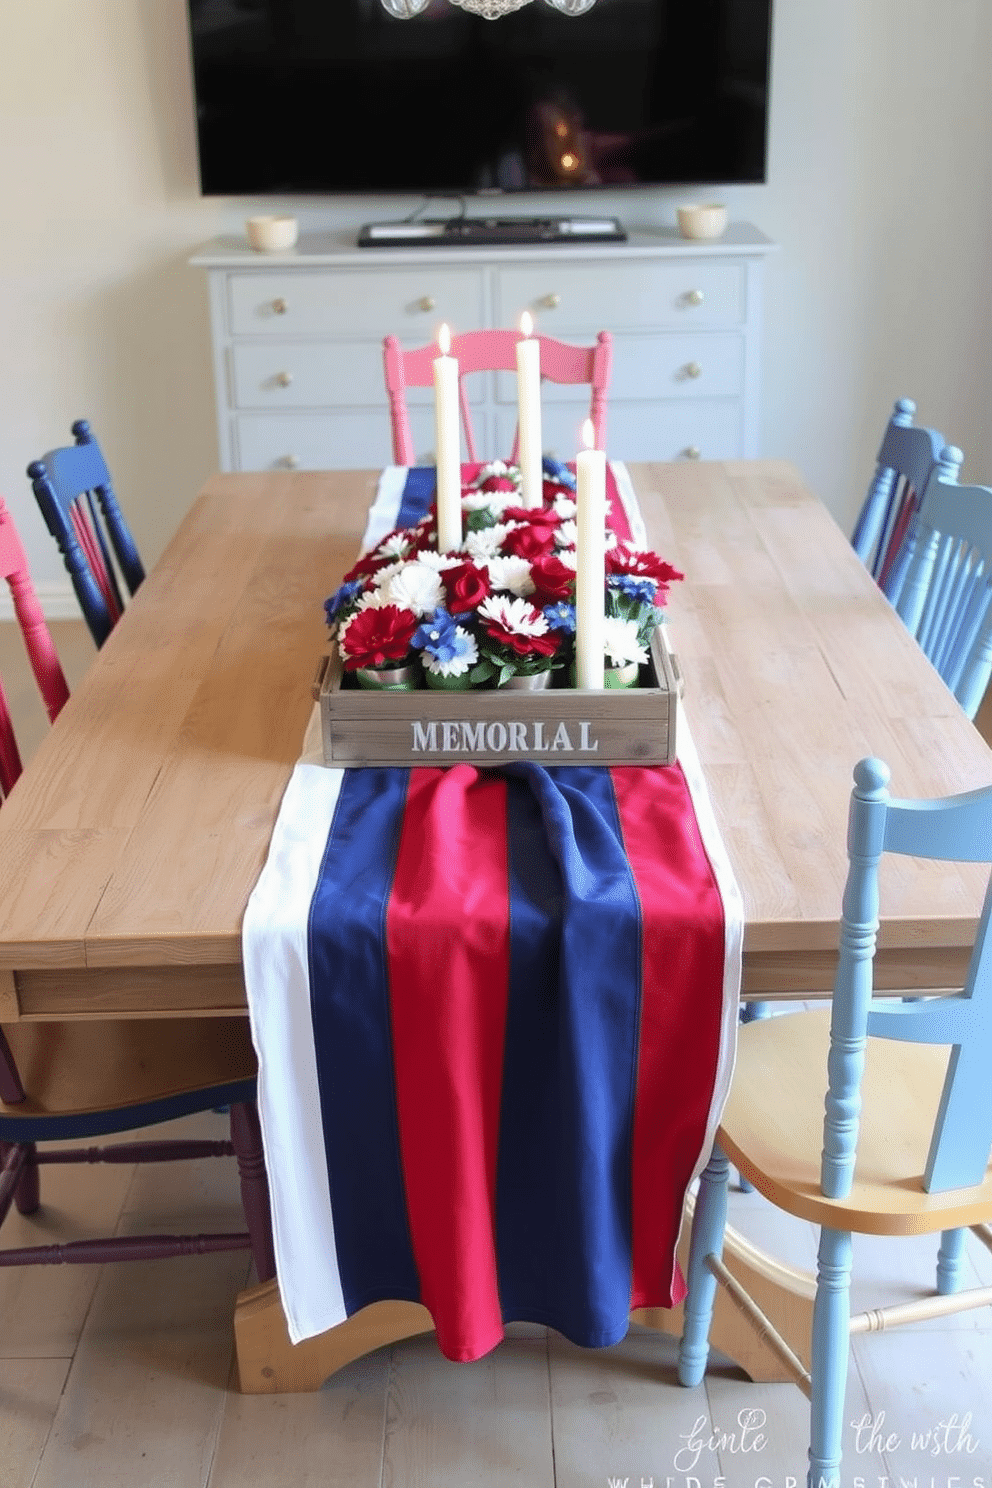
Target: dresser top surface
337, 250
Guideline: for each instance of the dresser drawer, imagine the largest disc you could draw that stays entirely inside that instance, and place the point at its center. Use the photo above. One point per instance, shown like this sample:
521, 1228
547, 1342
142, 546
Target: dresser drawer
704, 364
409, 303
336, 440
314, 374
566, 298
707, 429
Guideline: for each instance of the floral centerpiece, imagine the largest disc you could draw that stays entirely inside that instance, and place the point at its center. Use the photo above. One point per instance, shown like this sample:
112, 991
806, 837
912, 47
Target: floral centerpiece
499, 610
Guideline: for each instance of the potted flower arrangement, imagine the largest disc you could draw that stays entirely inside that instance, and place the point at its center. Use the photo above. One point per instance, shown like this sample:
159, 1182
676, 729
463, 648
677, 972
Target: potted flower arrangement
499, 611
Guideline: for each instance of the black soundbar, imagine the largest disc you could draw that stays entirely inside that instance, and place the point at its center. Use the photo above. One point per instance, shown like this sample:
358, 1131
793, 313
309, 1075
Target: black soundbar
460, 232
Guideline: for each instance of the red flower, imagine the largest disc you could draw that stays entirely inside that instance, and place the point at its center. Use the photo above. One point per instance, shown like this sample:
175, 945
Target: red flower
529, 541
497, 483
642, 563
465, 586
372, 638
552, 579
522, 645
537, 516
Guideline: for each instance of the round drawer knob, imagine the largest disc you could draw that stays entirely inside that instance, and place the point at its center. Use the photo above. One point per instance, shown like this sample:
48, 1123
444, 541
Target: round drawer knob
550, 301
279, 306
425, 303
692, 452
693, 369
694, 297
284, 378
289, 462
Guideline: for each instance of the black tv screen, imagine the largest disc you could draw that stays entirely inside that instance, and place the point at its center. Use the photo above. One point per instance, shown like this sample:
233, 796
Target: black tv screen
338, 96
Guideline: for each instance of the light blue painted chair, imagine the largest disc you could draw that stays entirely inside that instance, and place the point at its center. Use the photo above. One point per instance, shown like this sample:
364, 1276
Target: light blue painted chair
900, 1143
946, 596
883, 536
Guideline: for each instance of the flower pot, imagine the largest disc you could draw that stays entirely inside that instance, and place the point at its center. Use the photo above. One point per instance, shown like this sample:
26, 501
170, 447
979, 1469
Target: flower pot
625, 676
387, 679
441, 683
531, 682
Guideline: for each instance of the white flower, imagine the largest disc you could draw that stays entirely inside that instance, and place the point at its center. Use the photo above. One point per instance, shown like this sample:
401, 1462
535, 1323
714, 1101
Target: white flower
566, 536
564, 507
439, 561
485, 543
515, 615
511, 573
413, 586
620, 641
568, 557
494, 501
397, 545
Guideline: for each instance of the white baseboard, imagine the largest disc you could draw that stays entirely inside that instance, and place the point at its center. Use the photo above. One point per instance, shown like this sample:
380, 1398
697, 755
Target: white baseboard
58, 601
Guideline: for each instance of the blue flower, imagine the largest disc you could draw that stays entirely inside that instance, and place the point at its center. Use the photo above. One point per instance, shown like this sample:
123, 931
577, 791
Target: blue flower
438, 637
340, 598
560, 616
635, 588
556, 471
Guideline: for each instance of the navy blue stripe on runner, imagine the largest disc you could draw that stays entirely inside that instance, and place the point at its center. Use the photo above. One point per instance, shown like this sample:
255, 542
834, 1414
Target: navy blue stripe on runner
349, 1001
418, 494
564, 1176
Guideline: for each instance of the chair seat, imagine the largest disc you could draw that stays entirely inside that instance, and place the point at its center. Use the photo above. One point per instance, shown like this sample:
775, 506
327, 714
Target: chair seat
94, 1078
772, 1130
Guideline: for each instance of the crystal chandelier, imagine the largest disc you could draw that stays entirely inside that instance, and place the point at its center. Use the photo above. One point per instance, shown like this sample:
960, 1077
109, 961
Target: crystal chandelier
490, 9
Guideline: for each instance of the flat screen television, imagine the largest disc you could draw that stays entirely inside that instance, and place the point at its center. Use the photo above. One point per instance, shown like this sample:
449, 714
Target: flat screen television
322, 97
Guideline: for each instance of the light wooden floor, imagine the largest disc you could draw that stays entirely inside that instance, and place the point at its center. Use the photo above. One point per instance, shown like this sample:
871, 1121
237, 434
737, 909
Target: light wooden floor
122, 1375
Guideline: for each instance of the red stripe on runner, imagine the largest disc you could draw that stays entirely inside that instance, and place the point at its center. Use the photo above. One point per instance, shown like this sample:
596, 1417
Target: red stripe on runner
447, 935
681, 1014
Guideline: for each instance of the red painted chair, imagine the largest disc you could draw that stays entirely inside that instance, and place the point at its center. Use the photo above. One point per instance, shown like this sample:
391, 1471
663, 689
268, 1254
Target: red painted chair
37, 642
493, 351
77, 1080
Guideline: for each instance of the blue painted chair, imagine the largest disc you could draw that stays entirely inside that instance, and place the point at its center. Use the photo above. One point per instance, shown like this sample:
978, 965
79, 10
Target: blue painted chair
946, 596
900, 1144
883, 535
73, 489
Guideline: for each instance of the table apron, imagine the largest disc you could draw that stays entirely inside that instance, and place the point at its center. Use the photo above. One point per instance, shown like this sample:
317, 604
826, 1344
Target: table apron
786, 975
131, 992
219, 991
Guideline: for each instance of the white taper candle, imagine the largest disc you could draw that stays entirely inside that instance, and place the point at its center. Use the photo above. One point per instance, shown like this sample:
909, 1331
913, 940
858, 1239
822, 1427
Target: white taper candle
529, 413
449, 472
590, 555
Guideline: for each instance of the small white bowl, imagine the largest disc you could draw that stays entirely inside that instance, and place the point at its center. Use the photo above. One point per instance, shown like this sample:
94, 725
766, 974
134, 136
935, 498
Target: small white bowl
702, 220
272, 234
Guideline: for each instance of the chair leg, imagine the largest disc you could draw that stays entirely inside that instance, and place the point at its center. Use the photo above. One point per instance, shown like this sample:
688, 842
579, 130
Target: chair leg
708, 1224
27, 1195
752, 1012
246, 1135
830, 1353
949, 1258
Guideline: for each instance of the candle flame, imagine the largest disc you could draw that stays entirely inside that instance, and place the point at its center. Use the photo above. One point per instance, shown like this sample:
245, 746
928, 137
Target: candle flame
444, 340
588, 434
526, 324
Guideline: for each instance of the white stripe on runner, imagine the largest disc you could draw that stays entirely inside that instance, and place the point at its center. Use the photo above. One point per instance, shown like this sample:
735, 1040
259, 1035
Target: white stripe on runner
628, 498
386, 506
277, 979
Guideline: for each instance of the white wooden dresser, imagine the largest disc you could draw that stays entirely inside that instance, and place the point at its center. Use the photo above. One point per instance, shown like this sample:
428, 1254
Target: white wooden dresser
297, 341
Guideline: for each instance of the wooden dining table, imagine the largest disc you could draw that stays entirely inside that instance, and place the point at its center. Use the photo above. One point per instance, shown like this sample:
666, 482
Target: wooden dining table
130, 845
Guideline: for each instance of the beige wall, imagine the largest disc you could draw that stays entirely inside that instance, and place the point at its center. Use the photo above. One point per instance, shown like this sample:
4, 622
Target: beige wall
879, 192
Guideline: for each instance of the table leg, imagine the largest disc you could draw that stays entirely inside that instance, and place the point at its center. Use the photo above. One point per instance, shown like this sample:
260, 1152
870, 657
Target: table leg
268, 1364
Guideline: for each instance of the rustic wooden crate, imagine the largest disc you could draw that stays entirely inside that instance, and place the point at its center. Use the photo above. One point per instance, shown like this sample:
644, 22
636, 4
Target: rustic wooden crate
560, 726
